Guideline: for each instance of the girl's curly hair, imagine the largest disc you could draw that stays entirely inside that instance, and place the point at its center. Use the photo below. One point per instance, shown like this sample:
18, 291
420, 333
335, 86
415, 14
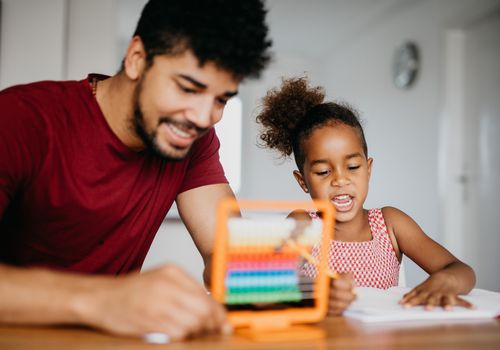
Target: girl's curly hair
291, 113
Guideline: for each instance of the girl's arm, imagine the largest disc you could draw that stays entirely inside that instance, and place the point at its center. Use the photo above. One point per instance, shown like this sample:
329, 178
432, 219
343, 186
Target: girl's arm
448, 275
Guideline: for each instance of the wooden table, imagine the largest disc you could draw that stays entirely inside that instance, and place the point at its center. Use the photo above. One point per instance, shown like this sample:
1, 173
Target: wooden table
339, 333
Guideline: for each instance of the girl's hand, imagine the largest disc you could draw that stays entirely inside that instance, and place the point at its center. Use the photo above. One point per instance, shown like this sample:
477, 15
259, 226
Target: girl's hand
437, 290
342, 294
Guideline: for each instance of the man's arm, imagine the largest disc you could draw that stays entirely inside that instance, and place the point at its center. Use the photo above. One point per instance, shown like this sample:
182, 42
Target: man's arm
197, 208
165, 300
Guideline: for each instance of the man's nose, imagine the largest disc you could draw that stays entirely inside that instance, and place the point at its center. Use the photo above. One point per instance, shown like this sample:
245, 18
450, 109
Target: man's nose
201, 113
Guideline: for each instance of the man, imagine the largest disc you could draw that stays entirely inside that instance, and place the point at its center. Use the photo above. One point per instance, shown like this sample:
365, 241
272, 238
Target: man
89, 169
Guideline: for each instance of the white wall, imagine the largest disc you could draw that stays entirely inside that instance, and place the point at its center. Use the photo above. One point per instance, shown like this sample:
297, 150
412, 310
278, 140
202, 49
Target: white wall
92, 40
32, 41
57, 39
173, 244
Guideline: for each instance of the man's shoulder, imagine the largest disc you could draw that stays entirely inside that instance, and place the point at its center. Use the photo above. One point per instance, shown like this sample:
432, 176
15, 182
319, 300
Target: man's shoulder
42, 102
44, 91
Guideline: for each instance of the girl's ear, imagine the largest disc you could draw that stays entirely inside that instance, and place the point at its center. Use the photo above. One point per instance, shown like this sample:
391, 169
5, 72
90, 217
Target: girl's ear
300, 179
370, 162
135, 58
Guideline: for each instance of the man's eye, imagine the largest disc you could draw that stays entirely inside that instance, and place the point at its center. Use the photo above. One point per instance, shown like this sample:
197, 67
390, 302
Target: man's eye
222, 101
187, 89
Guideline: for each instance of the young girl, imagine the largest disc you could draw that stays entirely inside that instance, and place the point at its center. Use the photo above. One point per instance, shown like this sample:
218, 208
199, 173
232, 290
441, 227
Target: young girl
330, 150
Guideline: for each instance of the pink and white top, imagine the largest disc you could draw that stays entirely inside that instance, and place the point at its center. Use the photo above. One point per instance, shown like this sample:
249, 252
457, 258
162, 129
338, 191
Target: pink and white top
373, 263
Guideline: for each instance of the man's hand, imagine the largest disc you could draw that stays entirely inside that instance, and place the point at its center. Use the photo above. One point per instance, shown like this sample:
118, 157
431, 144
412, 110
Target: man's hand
165, 300
342, 294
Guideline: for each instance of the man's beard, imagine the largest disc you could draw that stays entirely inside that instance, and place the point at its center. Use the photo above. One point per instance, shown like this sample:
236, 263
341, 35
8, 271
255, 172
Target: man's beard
149, 139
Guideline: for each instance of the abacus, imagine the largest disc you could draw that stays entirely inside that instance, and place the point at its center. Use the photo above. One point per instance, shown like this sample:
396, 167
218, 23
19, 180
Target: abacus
258, 263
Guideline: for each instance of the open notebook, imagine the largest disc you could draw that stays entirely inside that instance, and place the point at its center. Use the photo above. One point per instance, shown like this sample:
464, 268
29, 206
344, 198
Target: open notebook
378, 305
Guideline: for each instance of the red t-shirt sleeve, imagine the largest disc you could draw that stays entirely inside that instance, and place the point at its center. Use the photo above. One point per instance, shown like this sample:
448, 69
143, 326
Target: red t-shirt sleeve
22, 145
204, 166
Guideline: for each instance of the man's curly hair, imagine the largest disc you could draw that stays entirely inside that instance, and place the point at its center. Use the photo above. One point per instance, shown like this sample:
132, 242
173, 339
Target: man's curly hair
230, 33
291, 113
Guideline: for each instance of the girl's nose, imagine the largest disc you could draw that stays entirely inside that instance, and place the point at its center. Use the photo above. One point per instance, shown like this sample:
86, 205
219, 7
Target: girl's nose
339, 178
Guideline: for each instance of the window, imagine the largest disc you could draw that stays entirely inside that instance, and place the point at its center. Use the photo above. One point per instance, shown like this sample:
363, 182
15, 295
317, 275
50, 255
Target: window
229, 133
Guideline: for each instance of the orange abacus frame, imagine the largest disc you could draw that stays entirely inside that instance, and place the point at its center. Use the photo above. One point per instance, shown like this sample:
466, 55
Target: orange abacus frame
272, 319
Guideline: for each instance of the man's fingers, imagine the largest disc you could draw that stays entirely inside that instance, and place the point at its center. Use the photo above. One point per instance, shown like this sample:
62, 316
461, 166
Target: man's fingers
220, 318
181, 321
175, 274
205, 314
181, 304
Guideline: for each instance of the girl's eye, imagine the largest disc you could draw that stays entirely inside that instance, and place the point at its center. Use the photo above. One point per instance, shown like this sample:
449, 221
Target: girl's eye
322, 173
354, 167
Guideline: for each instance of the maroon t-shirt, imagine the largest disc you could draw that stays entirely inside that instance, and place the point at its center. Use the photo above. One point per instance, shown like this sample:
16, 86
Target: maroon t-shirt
72, 195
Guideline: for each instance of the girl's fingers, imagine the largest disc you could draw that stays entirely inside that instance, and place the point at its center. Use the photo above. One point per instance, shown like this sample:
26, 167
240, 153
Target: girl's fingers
341, 294
343, 288
336, 307
448, 301
417, 299
464, 303
432, 301
408, 296
346, 297
344, 281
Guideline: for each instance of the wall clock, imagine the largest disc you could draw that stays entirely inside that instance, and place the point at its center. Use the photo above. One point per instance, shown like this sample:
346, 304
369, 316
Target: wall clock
405, 66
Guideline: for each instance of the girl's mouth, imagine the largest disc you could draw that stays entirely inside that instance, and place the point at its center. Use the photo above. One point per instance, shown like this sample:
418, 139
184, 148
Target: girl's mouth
343, 202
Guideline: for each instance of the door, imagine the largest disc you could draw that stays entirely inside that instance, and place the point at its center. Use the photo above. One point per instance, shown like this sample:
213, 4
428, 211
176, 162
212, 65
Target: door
470, 148
482, 150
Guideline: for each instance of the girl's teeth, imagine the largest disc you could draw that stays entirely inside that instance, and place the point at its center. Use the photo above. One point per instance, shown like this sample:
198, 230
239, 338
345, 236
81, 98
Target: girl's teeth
342, 197
345, 204
342, 201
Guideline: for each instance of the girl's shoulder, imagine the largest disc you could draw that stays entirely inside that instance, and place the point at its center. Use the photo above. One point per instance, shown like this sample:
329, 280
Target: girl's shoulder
390, 210
400, 224
387, 215
394, 216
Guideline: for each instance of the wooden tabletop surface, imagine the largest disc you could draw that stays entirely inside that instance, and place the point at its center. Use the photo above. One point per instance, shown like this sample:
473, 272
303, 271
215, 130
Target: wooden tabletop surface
332, 333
